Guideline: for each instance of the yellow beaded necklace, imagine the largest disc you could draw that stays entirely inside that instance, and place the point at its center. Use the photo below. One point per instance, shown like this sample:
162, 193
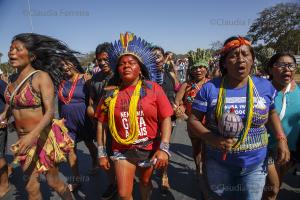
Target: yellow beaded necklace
133, 121
249, 111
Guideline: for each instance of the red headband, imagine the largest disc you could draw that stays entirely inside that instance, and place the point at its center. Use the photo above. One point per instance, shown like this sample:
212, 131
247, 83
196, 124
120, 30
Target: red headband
234, 44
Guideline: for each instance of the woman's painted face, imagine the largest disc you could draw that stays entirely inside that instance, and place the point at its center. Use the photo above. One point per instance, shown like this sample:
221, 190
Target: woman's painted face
102, 60
239, 62
129, 68
18, 55
199, 72
283, 70
159, 59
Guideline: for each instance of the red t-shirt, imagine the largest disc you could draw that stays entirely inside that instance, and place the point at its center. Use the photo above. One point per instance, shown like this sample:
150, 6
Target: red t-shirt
151, 109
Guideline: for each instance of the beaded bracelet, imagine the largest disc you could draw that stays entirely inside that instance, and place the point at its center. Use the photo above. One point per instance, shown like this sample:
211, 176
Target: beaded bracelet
102, 152
164, 146
281, 138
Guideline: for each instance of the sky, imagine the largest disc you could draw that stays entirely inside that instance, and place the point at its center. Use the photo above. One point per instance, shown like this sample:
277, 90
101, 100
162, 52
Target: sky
175, 25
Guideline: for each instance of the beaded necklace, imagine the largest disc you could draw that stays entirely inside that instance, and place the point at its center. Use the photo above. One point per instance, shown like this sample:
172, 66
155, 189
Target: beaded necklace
69, 97
133, 122
193, 90
249, 112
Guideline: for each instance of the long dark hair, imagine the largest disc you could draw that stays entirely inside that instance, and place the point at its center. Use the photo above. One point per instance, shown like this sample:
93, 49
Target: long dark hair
275, 58
48, 54
223, 56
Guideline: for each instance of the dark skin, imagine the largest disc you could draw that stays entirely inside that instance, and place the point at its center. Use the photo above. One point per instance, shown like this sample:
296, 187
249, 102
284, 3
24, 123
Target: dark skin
102, 60
42, 83
129, 70
282, 76
38, 119
199, 74
238, 63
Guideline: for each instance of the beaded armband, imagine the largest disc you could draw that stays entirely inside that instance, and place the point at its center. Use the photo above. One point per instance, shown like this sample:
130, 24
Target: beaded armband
164, 146
102, 152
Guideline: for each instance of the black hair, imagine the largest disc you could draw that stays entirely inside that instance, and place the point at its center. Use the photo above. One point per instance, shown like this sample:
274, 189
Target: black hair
168, 53
275, 58
223, 56
47, 54
153, 48
104, 47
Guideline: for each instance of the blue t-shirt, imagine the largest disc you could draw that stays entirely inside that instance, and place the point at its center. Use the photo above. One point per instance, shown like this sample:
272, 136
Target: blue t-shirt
253, 149
291, 120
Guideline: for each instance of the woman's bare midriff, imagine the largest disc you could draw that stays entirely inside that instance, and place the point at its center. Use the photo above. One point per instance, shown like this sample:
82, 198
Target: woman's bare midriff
27, 119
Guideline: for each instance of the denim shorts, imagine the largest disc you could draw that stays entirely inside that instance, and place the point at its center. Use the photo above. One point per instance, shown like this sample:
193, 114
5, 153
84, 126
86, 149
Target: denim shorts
135, 156
3, 140
235, 183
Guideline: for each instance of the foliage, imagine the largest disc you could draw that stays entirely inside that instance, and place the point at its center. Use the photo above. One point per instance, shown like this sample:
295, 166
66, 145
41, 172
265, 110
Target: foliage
87, 59
290, 42
6, 68
263, 54
278, 26
216, 46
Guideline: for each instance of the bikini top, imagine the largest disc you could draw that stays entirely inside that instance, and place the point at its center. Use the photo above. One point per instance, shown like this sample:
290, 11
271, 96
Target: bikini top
25, 98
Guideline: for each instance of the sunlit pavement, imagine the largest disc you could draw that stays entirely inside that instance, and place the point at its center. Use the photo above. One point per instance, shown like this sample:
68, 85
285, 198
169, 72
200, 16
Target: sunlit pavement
183, 180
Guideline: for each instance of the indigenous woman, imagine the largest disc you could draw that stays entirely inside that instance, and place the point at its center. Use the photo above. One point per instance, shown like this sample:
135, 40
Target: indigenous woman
138, 116
30, 100
236, 141
166, 78
197, 76
72, 106
282, 68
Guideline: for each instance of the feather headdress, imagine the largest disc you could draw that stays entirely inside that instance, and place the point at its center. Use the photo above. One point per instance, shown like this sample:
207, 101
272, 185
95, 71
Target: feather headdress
129, 44
199, 58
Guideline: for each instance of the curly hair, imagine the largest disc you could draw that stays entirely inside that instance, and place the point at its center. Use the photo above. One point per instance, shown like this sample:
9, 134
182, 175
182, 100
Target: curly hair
104, 47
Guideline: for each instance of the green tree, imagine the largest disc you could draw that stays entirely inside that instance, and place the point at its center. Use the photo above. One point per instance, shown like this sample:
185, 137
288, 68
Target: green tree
216, 46
276, 26
263, 54
290, 42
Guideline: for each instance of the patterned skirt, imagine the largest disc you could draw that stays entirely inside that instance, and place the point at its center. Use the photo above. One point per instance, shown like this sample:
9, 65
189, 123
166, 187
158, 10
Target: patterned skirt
50, 149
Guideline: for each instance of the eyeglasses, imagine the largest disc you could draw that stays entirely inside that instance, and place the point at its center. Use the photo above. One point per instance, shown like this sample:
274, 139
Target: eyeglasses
282, 65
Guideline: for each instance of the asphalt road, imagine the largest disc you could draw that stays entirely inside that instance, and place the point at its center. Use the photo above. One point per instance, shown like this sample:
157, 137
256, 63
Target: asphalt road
183, 181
